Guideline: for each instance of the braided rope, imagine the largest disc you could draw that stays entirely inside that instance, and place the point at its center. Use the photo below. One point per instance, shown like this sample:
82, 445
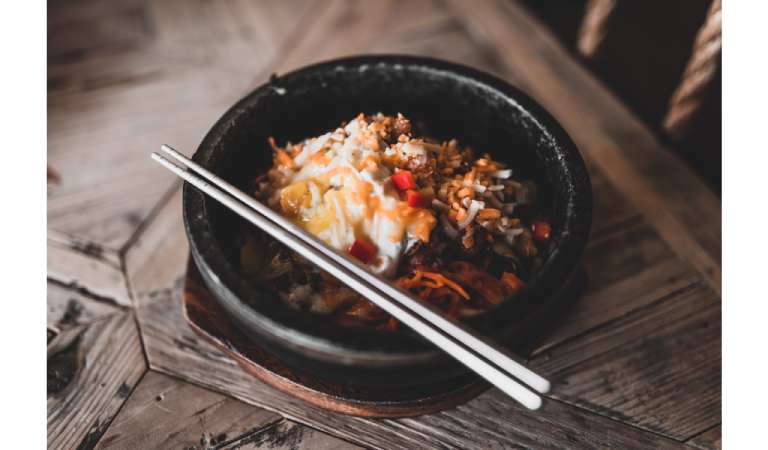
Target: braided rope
593, 26
699, 75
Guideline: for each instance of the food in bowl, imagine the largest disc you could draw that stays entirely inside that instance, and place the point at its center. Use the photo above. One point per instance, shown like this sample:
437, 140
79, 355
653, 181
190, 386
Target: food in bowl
457, 230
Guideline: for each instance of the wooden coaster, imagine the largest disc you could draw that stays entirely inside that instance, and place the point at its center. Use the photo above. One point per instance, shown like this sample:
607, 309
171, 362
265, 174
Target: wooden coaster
210, 321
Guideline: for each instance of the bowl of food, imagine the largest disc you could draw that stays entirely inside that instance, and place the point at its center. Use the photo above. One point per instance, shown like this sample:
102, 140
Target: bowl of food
448, 181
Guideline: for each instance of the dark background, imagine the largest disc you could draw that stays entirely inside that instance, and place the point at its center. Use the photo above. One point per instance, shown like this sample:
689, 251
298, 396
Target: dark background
642, 58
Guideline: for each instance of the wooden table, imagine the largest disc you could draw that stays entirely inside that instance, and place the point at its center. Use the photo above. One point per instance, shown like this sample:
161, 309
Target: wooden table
635, 364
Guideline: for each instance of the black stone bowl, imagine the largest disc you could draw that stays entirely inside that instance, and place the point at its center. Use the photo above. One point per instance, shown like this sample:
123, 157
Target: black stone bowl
452, 101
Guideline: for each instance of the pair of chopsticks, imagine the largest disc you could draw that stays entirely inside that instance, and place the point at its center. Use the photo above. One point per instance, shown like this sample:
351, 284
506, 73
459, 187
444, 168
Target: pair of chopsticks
450, 336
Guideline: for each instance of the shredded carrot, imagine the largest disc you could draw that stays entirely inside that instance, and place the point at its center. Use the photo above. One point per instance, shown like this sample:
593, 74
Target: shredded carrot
512, 280
431, 284
408, 283
416, 277
444, 281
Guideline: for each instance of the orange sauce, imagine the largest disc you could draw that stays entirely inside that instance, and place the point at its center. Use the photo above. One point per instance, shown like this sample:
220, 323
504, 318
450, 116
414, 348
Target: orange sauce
320, 157
417, 221
283, 159
370, 163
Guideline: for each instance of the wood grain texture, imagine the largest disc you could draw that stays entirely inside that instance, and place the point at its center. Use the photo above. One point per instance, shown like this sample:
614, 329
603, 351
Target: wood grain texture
418, 27
85, 247
628, 267
289, 435
490, 421
610, 209
679, 205
438, 34
658, 368
122, 80
167, 337
174, 414
67, 308
87, 272
89, 378
157, 258
710, 439
341, 28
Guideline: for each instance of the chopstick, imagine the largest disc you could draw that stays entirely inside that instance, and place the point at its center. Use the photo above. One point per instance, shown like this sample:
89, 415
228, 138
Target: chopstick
430, 313
450, 336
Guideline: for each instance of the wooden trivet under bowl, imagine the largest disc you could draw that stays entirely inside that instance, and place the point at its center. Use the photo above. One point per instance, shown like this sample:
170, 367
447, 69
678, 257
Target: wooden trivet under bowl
211, 322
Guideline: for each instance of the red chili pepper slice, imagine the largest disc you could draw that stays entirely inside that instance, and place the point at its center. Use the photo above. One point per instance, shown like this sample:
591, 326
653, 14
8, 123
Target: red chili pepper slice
416, 199
363, 250
403, 180
541, 231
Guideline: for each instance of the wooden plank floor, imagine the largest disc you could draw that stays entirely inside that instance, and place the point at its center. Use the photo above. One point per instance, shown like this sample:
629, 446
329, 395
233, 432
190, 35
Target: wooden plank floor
635, 364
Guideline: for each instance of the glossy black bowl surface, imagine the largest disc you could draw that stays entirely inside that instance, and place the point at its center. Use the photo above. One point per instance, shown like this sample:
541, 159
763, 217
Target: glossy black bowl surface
453, 101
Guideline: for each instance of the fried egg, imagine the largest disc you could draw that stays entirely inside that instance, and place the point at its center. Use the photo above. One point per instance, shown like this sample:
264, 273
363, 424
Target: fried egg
337, 186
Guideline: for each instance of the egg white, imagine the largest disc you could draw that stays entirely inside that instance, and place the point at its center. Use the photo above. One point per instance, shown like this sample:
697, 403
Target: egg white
333, 183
